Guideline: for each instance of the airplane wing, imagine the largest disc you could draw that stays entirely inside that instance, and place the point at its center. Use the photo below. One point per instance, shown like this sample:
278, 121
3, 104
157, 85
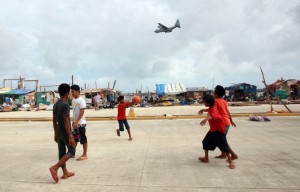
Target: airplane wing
161, 26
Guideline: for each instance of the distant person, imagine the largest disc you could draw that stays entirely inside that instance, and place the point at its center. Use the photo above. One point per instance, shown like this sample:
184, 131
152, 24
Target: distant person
7, 100
62, 133
79, 124
216, 136
96, 101
11, 100
112, 102
122, 116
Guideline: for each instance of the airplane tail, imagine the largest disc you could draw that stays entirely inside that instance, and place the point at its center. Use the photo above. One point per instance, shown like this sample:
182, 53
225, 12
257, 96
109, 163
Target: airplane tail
177, 24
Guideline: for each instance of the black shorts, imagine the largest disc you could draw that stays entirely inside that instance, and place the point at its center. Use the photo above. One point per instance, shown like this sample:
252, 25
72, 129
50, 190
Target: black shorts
79, 134
215, 139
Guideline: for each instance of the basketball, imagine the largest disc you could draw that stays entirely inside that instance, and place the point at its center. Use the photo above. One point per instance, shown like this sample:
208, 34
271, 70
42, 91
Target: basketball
136, 99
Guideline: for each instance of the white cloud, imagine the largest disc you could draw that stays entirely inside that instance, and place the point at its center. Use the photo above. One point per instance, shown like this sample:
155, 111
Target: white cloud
105, 41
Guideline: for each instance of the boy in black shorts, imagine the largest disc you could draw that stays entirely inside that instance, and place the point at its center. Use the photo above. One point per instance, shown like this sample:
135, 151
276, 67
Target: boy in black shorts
216, 136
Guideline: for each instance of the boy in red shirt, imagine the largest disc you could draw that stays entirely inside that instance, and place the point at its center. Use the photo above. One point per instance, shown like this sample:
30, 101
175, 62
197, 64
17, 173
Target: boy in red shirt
122, 116
216, 136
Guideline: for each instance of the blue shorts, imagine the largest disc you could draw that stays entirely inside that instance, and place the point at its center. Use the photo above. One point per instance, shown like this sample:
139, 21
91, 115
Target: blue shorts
122, 123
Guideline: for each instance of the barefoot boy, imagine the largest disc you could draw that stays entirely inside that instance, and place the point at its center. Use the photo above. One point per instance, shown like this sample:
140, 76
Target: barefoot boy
62, 133
122, 116
216, 136
222, 108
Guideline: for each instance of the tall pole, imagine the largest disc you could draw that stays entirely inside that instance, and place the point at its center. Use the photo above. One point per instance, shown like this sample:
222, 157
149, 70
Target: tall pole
267, 89
72, 79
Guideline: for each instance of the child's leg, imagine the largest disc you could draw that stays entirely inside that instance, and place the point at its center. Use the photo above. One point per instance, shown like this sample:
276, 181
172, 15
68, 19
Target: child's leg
128, 129
129, 134
232, 153
205, 158
66, 173
231, 164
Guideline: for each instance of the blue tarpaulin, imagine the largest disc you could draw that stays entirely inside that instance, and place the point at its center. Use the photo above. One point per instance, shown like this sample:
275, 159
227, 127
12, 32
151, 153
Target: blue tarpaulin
160, 89
17, 92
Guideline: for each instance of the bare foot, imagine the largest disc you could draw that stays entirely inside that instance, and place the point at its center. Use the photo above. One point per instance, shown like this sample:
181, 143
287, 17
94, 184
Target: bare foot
118, 132
231, 166
53, 172
234, 157
70, 174
81, 158
221, 156
204, 160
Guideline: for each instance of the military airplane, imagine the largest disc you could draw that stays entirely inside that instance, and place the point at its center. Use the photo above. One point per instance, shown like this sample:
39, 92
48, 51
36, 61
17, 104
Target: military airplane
162, 28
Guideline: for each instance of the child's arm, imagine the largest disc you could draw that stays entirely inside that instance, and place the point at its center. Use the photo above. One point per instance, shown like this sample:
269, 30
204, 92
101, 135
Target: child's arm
203, 122
129, 104
232, 123
201, 111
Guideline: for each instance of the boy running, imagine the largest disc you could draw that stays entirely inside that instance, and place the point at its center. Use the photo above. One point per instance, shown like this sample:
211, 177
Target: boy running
216, 136
222, 108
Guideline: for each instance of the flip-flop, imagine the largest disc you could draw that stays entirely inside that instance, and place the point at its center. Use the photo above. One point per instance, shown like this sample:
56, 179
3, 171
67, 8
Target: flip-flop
54, 175
81, 158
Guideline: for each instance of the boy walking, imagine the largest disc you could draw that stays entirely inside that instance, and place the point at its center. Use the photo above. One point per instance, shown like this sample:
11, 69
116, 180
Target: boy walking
122, 116
79, 124
62, 133
216, 136
222, 108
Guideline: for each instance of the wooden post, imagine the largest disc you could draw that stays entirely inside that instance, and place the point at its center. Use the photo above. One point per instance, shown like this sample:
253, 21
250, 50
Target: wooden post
267, 89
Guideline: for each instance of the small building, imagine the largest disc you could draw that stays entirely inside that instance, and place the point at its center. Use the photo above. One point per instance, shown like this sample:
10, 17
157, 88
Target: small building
196, 92
46, 97
241, 92
171, 91
285, 88
18, 95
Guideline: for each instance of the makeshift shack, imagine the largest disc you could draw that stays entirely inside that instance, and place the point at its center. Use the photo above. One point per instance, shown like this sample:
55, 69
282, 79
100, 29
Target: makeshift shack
171, 91
241, 92
17, 94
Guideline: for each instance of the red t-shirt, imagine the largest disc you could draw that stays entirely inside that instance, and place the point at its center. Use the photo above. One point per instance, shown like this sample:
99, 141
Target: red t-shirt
122, 110
221, 105
216, 123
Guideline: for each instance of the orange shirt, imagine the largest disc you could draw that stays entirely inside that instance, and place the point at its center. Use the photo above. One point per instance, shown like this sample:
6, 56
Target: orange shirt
221, 105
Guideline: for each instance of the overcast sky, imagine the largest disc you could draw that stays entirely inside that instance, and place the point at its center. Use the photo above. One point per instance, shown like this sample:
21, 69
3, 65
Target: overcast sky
219, 42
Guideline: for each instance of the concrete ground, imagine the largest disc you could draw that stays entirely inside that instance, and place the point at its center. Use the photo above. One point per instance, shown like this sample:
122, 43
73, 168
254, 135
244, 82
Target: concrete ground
162, 157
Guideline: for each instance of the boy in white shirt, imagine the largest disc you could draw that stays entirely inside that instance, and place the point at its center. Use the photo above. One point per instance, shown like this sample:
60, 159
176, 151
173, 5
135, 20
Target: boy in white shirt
79, 124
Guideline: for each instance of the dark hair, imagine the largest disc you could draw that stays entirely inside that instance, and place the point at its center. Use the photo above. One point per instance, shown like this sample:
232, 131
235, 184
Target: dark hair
63, 89
120, 98
209, 99
220, 91
75, 87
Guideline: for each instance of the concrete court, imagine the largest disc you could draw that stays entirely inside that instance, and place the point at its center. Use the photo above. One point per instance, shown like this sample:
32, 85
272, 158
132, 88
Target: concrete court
162, 157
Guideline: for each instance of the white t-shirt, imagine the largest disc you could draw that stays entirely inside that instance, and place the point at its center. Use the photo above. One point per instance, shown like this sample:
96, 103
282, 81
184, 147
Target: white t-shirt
78, 104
